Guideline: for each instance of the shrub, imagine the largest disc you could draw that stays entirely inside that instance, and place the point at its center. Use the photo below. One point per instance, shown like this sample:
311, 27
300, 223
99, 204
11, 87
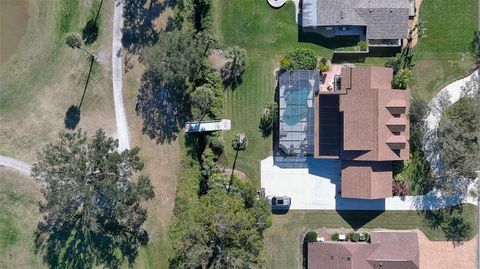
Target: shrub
311, 236
399, 188
299, 59
367, 236
363, 45
354, 237
208, 165
402, 78
323, 67
335, 236
285, 64
216, 143
393, 63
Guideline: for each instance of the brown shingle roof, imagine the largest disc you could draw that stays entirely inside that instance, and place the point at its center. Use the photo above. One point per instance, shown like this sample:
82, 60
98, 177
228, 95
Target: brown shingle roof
393, 250
366, 180
369, 106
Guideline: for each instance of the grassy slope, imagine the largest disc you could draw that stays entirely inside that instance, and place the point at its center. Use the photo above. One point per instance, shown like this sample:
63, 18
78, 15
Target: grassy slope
283, 242
443, 55
266, 34
45, 77
18, 216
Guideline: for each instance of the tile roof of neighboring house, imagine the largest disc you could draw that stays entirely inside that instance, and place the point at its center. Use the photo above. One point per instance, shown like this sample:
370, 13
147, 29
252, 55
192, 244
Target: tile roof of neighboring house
383, 251
366, 180
375, 122
384, 19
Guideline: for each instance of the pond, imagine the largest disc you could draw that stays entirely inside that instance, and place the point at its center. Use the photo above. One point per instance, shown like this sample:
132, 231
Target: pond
13, 25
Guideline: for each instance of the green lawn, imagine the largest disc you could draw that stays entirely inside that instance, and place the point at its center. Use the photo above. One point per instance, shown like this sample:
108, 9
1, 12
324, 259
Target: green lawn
443, 55
283, 240
266, 34
18, 217
44, 77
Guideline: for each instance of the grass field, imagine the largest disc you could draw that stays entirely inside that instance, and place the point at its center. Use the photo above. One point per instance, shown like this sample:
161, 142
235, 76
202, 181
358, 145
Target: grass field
266, 34
44, 77
18, 217
443, 55
283, 240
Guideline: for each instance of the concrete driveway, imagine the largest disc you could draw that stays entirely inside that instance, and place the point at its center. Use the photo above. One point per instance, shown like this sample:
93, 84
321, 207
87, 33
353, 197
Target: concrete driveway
313, 184
313, 187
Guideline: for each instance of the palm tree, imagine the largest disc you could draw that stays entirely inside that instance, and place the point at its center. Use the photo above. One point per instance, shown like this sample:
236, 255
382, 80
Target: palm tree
239, 143
236, 65
74, 41
418, 31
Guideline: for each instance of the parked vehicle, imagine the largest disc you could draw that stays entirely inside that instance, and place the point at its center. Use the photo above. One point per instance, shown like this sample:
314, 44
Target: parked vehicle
279, 203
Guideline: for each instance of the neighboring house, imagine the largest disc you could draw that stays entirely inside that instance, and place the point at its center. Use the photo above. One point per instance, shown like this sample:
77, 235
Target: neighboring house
358, 119
386, 250
382, 23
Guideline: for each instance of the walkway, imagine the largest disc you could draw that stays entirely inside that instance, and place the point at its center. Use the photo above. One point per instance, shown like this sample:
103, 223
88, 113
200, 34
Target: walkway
15, 164
120, 116
315, 188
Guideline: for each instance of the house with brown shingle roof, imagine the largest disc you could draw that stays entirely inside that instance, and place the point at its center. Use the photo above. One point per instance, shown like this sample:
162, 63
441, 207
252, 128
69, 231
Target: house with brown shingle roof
358, 119
363, 122
386, 250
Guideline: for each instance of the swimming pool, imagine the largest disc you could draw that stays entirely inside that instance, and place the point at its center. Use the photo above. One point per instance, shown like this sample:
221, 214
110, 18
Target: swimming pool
296, 105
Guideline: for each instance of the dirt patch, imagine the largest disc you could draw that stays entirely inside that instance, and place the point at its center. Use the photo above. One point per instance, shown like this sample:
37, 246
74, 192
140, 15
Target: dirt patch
218, 59
239, 174
445, 255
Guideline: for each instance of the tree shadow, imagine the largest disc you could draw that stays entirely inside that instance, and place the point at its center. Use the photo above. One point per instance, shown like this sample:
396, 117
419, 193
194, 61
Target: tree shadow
266, 126
451, 221
72, 116
69, 245
138, 28
90, 31
230, 81
164, 109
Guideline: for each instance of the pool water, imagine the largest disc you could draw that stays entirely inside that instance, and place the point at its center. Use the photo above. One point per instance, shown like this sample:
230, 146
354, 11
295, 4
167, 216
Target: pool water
296, 105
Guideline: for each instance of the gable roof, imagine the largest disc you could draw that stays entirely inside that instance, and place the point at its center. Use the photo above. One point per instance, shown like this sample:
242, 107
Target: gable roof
366, 180
383, 251
384, 19
375, 123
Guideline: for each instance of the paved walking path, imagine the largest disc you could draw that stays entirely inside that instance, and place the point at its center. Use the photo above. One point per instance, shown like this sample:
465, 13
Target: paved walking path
120, 115
15, 164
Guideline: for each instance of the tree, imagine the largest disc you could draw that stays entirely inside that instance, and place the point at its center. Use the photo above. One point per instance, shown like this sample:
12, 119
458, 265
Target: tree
239, 143
268, 119
224, 230
299, 59
202, 99
74, 41
175, 60
402, 78
92, 210
458, 136
418, 30
234, 68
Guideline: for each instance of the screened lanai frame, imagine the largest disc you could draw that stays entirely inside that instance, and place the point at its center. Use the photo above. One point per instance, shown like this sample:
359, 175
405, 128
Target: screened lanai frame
296, 111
